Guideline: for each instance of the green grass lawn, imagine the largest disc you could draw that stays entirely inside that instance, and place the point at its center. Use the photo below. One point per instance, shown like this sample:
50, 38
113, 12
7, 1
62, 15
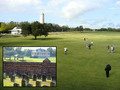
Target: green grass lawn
7, 82
28, 59
80, 69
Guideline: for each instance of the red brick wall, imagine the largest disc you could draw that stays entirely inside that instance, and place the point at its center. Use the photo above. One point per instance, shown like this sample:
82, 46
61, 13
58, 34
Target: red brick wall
30, 67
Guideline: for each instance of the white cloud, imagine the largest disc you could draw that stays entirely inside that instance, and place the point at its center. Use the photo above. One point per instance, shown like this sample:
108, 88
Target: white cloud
54, 3
118, 2
75, 8
18, 5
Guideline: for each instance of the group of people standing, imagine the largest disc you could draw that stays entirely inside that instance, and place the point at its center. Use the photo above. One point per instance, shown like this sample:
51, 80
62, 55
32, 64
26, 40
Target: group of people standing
89, 45
112, 48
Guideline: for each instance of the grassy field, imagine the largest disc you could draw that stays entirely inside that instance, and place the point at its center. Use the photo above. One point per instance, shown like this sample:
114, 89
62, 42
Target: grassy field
27, 59
7, 82
80, 69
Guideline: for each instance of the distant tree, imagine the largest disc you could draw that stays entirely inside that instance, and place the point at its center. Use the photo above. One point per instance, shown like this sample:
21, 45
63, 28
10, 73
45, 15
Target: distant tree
52, 52
87, 29
52, 28
81, 28
27, 52
65, 28
26, 28
77, 29
103, 29
36, 29
8, 51
3, 27
0, 24
11, 25
18, 50
111, 29
45, 29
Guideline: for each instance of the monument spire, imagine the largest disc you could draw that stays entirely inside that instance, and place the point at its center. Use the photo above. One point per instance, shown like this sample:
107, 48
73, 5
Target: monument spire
42, 17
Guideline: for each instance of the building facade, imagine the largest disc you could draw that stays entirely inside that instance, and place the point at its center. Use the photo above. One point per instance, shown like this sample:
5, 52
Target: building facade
40, 53
46, 67
16, 31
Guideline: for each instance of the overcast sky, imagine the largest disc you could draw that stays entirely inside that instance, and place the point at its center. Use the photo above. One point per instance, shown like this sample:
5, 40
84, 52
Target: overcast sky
89, 13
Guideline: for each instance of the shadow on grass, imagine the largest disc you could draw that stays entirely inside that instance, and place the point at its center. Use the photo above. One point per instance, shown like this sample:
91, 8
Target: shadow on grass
16, 36
10, 36
15, 43
45, 38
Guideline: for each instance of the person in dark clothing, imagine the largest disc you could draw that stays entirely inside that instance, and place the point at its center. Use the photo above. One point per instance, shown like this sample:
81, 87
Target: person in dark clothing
107, 69
84, 39
89, 46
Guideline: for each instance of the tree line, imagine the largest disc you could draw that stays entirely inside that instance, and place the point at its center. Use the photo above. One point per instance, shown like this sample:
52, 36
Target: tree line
108, 29
35, 28
11, 51
4, 27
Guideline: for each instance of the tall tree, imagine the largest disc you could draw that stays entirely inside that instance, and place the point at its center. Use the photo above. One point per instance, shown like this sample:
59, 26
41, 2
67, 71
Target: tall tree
45, 29
39, 29
36, 29
26, 28
81, 28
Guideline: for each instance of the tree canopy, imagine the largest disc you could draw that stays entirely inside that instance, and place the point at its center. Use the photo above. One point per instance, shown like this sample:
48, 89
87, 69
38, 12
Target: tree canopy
3, 27
52, 52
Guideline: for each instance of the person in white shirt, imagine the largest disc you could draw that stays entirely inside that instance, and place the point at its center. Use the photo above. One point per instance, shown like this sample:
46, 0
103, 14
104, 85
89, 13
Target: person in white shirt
112, 49
91, 43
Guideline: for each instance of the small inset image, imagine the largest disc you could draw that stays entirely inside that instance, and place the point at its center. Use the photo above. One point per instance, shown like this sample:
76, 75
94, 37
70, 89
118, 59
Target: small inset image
29, 67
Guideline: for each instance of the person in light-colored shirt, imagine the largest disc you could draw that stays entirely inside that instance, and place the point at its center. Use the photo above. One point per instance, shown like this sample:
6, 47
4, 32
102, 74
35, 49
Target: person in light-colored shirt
91, 43
112, 49
65, 50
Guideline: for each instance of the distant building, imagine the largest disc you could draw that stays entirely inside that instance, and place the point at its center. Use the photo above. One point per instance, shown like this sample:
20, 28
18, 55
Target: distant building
42, 17
40, 53
16, 31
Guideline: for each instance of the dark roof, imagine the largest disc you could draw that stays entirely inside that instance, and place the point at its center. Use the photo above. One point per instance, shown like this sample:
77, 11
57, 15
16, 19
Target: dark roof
40, 49
18, 27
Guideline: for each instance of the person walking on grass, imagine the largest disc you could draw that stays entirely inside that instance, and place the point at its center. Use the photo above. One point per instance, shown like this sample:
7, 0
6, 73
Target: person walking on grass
107, 69
112, 48
65, 50
108, 47
92, 43
84, 39
89, 46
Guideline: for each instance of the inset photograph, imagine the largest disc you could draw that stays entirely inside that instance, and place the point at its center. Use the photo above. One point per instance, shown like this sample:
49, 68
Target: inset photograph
29, 67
